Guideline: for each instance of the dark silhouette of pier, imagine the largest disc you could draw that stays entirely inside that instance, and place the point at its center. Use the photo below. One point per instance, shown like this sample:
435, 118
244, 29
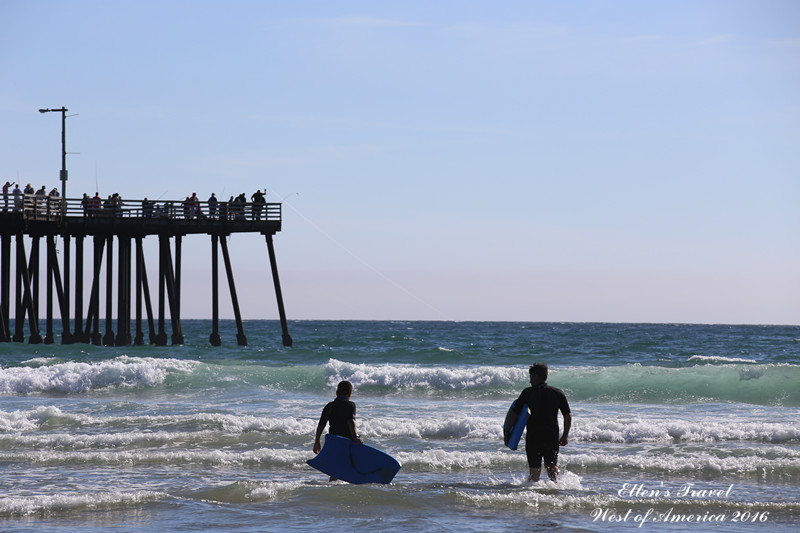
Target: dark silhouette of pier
27, 220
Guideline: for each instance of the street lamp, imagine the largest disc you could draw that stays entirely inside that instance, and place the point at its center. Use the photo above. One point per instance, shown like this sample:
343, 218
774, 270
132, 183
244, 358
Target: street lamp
63, 112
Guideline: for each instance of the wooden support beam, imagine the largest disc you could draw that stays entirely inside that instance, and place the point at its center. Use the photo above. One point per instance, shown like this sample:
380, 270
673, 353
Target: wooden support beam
168, 280
240, 337
138, 338
146, 289
177, 329
108, 338
79, 334
54, 274
214, 338
5, 287
25, 303
19, 311
161, 338
123, 337
93, 318
287, 339
66, 334
33, 276
51, 253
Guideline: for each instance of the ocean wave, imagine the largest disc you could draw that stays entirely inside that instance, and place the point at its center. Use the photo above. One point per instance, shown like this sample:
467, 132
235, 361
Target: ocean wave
721, 381
720, 359
631, 430
59, 503
250, 491
50, 427
79, 377
262, 457
760, 384
398, 377
780, 463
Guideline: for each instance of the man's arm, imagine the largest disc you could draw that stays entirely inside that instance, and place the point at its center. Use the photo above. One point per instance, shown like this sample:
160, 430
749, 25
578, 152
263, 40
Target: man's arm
317, 443
567, 425
320, 429
353, 432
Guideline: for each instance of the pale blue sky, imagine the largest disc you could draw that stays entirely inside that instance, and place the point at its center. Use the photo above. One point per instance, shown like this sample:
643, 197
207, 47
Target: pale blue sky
533, 161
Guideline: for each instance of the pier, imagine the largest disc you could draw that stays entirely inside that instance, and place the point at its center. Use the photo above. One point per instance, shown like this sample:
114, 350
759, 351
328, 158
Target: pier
58, 228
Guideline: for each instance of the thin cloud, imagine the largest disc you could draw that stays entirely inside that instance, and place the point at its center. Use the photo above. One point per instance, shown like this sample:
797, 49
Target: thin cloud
641, 39
370, 21
715, 39
792, 42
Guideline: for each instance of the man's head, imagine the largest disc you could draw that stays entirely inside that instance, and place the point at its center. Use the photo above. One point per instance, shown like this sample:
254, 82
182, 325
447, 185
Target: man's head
538, 373
345, 388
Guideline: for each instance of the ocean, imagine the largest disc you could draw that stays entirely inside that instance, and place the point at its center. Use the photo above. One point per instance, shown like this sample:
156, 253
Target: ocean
675, 428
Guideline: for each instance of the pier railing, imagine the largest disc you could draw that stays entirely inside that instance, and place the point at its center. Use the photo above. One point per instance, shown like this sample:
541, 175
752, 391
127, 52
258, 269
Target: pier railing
49, 208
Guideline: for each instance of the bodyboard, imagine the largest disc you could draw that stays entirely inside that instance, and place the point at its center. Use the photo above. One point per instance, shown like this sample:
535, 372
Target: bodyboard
349, 461
512, 434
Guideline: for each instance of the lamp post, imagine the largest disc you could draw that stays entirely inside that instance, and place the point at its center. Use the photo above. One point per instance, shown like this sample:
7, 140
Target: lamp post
63, 112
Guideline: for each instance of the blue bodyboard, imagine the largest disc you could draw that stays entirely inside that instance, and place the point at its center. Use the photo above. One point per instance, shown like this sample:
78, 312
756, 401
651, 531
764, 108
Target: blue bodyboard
349, 461
512, 434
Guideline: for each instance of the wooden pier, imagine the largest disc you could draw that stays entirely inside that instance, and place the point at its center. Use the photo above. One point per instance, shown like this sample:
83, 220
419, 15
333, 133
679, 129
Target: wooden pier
27, 220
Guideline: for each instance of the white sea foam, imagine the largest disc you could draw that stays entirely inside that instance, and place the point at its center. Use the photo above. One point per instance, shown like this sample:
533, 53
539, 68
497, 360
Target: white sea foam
635, 430
444, 460
38, 361
470, 427
76, 377
567, 493
30, 505
430, 378
273, 490
175, 456
686, 462
38, 426
720, 359
48, 418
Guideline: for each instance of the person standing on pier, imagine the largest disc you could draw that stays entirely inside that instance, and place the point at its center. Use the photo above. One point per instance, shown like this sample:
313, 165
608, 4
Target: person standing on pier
42, 205
147, 208
212, 205
258, 203
96, 202
5, 195
53, 202
194, 206
17, 197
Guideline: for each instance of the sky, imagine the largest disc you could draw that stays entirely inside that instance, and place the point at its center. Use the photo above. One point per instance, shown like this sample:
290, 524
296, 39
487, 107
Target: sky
587, 161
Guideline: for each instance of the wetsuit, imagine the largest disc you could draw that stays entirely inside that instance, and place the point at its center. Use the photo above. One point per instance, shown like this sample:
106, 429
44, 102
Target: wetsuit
541, 442
339, 413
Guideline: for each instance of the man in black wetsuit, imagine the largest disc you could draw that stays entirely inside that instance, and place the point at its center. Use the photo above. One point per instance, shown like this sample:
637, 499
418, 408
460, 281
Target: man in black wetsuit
542, 440
341, 413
